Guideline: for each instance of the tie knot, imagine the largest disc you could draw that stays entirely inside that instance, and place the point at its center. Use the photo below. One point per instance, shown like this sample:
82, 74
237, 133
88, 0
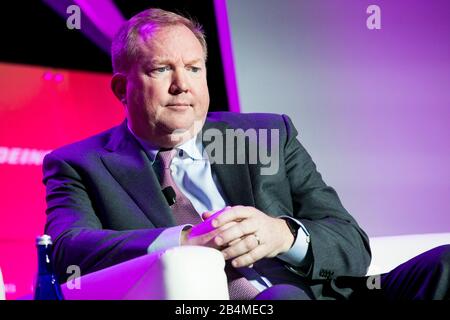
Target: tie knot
166, 156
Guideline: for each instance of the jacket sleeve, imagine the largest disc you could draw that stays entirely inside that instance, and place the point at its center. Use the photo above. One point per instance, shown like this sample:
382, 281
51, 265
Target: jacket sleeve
77, 234
338, 246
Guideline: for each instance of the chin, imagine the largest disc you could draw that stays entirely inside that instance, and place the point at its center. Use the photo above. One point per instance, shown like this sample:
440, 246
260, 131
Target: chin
181, 124
178, 126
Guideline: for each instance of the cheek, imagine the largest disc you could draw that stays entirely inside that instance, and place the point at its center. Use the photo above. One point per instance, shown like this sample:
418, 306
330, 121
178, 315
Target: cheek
142, 102
202, 93
205, 98
135, 92
156, 92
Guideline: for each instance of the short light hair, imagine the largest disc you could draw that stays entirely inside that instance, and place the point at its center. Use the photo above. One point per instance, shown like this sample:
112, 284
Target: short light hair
124, 49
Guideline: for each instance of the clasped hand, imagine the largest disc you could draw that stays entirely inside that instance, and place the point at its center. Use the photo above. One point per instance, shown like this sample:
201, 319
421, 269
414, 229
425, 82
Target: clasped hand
243, 234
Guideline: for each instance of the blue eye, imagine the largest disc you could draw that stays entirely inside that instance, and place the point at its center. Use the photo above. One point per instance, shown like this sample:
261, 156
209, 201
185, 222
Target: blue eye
195, 69
161, 70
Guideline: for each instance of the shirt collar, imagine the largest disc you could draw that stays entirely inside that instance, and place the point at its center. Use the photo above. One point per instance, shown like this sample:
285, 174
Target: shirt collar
191, 148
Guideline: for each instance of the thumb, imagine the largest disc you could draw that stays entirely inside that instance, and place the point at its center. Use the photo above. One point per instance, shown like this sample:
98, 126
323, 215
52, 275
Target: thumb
207, 214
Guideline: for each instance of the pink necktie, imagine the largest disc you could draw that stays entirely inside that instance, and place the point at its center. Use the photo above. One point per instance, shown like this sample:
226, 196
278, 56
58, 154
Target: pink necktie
184, 212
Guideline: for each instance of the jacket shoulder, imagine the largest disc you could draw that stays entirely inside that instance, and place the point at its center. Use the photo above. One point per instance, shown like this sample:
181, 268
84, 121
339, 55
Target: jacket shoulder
250, 120
84, 147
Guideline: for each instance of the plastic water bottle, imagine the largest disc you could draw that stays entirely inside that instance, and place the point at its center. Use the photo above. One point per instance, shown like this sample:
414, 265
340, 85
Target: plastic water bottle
47, 286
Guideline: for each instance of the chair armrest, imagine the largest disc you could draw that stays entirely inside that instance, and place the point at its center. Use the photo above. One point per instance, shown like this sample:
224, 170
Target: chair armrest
389, 252
189, 272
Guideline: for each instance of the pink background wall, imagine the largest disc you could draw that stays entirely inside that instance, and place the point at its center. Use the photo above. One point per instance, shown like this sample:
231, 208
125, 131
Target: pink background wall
40, 110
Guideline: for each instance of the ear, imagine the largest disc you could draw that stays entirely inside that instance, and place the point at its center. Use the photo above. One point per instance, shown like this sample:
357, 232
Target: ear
119, 87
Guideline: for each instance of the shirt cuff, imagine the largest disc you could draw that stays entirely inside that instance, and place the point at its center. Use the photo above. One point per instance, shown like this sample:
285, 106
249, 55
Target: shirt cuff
296, 254
169, 238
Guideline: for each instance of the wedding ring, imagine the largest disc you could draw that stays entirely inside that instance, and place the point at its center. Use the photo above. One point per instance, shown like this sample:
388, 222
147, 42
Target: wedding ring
257, 238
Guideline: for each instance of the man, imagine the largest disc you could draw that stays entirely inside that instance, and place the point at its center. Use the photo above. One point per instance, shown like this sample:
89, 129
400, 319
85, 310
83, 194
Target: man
285, 232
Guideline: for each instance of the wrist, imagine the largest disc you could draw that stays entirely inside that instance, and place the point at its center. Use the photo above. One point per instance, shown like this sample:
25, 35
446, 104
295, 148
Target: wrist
290, 236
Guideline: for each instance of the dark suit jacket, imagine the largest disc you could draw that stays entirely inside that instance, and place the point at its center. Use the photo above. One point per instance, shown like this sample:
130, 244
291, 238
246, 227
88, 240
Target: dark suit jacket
105, 205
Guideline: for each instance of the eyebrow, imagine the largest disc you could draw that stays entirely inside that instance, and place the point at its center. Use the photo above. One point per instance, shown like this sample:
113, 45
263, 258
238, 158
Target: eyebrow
166, 61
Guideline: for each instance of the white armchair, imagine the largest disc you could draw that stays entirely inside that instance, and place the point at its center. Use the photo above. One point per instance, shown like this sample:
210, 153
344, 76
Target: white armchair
197, 273
190, 272
389, 252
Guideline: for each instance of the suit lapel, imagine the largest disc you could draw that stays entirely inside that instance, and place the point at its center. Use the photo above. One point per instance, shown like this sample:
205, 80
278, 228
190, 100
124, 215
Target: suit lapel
130, 166
233, 178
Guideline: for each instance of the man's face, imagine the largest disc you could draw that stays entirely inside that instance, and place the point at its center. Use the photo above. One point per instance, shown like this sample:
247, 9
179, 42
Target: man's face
166, 88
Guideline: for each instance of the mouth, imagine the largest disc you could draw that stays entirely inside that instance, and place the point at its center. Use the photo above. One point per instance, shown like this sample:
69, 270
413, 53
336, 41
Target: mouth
179, 106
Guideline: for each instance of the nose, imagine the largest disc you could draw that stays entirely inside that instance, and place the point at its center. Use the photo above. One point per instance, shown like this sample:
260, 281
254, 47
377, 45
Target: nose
179, 82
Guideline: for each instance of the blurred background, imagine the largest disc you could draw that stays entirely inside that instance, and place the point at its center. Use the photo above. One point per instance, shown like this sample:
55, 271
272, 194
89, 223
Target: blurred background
371, 106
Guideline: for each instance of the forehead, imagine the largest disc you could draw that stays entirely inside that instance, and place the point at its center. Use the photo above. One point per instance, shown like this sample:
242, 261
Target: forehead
168, 43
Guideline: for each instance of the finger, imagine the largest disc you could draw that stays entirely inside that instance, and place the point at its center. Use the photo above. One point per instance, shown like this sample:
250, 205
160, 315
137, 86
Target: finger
217, 231
205, 227
234, 241
241, 247
251, 257
205, 230
227, 225
207, 214
202, 239
232, 214
207, 239
239, 230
